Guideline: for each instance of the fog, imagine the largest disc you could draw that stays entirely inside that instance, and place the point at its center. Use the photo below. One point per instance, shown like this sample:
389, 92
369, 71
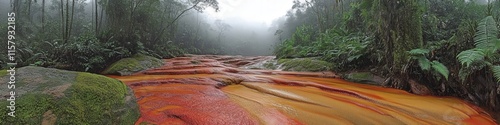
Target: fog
245, 27
250, 22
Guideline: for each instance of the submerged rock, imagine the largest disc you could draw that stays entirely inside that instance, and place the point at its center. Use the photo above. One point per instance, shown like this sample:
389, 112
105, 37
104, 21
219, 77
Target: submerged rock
52, 96
136, 63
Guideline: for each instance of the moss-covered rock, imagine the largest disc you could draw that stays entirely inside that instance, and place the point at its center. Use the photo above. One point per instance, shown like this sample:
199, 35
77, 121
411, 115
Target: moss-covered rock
3, 73
363, 77
304, 64
136, 63
52, 96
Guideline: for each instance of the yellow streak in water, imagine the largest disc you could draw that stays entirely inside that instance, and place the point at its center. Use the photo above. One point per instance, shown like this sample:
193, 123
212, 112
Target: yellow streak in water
376, 105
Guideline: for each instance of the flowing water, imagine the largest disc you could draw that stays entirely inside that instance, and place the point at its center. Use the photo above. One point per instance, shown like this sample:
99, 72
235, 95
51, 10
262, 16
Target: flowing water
213, 90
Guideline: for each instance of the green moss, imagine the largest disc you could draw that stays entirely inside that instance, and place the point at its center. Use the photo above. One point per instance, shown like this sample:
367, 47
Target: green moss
281, 61
136, 63
29, 109
361, 77
90, 99
123, 65
304, 64
95, 99
195, 61
146, 123
3, 73
270, 65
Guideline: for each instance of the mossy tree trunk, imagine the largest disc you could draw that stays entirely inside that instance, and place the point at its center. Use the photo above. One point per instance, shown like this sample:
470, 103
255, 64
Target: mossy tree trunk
399, 30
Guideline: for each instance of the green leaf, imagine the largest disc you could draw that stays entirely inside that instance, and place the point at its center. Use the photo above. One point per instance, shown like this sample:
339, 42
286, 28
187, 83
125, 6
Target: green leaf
497, 43
418, 51
486, 34
469, 56
496, 72
424, 63
440, 68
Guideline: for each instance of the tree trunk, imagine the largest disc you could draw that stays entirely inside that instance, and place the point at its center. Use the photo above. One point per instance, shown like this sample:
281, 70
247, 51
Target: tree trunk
66, 31
72, 18
62, 22
96, 18
100, 18
399, 30
29, 9
43, 16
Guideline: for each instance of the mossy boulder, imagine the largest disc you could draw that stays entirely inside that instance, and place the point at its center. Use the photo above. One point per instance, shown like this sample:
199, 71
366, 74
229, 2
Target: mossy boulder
363, 77
304, 64
50, 96
136, 63
3, 72
266, 65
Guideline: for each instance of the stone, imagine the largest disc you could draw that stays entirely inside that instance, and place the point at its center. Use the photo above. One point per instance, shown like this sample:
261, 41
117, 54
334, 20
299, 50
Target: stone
136, 63
51, 96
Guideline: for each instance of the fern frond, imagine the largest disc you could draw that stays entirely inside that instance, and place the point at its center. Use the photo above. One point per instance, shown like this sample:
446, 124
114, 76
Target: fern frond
424, 63
498, 44
486, 34
496, 72
465, 72
440, 68
417, 52
469, 56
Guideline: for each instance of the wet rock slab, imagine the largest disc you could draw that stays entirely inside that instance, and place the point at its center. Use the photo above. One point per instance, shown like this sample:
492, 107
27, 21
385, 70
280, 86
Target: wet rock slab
210, 89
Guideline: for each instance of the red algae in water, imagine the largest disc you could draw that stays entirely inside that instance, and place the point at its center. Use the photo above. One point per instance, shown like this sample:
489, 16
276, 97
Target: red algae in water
210, 90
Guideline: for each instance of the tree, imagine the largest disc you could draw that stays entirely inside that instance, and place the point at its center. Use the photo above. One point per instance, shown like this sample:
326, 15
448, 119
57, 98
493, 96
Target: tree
399, 30
43, 15
198, 5
222, 27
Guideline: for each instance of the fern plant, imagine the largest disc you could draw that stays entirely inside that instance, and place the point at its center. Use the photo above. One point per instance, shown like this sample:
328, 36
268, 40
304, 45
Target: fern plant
426, 65
485, 52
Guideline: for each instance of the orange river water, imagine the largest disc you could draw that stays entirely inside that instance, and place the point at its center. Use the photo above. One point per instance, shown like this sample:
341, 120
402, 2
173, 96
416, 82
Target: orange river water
214, 90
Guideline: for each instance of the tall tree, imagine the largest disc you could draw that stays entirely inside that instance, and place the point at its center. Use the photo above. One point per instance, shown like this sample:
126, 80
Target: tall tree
399, 30
43, 15
63, 24
96, 18
72, 18
222, 28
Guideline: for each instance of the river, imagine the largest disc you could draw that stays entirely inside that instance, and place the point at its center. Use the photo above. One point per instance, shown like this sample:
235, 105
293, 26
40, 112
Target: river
214, 90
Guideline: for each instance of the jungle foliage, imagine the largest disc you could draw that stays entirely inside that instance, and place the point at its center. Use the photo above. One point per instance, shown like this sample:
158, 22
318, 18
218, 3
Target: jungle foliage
449, 46
89, 35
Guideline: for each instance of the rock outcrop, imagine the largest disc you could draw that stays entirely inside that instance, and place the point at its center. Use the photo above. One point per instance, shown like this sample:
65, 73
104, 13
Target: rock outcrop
51, 96
136, 63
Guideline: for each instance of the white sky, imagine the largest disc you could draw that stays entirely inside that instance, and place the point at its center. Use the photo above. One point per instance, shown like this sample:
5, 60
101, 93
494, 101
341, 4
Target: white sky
258, 11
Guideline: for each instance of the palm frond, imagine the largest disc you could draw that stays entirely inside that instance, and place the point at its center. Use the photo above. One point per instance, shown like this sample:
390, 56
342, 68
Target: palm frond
486, 34
469, 56
440, 68
424, 63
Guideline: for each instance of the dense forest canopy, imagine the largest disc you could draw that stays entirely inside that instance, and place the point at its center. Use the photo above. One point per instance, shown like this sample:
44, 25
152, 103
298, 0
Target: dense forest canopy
88, 35
449, 46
